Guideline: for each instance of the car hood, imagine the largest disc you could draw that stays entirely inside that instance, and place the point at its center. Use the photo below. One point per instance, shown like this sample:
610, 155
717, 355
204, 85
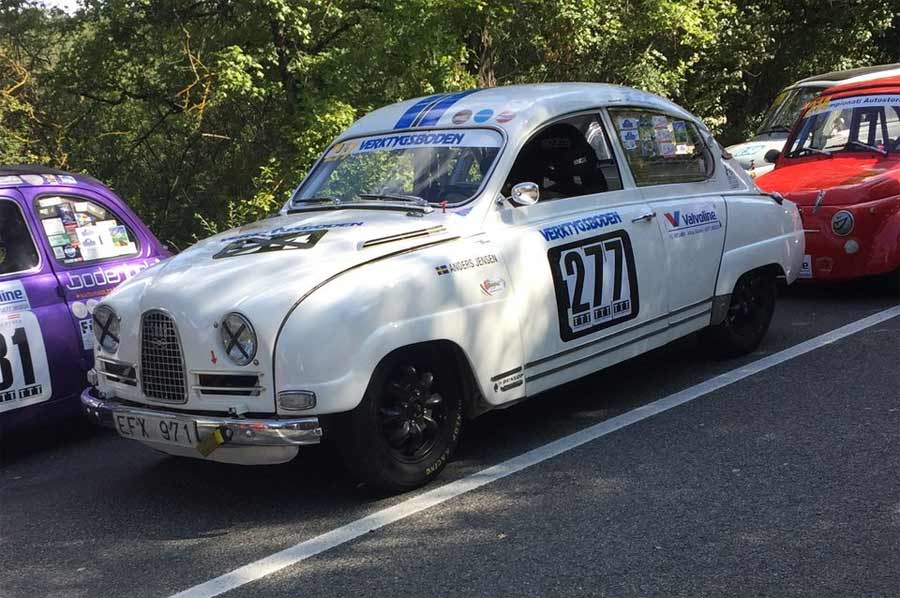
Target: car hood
263, 269
852, 179
754, 151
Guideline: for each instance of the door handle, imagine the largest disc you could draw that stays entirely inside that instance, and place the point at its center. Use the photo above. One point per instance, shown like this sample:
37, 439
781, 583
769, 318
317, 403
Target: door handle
645, 218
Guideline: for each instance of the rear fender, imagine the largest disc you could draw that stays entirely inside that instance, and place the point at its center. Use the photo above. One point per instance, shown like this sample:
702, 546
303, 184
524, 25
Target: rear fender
760, 232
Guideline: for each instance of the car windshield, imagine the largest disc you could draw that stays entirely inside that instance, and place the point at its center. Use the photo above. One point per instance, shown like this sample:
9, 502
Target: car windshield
435, 166
786, 108
869, 123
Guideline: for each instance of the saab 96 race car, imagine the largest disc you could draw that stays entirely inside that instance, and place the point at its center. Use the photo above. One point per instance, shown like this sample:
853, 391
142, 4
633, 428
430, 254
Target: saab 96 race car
445, 256
65, 242
786, 108
842, 166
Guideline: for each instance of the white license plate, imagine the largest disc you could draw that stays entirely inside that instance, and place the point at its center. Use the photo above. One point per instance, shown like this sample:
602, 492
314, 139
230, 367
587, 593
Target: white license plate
152, 428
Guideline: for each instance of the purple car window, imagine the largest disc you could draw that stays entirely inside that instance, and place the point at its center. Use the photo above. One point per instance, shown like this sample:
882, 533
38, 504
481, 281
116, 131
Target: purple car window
80, 230
17, 250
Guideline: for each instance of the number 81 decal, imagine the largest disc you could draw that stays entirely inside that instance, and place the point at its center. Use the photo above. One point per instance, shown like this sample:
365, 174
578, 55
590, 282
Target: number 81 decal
595, 282
24, 376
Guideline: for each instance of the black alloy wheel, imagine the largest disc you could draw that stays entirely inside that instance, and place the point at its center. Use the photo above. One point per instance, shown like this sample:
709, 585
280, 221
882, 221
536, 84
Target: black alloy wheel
749, 314
411, 414
406, 428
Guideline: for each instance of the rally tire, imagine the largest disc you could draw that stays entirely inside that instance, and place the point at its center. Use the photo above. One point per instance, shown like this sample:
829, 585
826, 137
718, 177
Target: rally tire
407, 425
747, 320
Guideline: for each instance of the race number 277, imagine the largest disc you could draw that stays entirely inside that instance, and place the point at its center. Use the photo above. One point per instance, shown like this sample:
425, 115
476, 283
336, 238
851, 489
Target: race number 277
595, 283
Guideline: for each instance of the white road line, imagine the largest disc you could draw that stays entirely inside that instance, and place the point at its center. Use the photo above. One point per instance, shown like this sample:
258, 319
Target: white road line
304, 550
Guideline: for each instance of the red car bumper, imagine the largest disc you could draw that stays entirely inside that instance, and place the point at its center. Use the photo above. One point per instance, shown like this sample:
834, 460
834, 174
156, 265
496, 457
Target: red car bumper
871, 245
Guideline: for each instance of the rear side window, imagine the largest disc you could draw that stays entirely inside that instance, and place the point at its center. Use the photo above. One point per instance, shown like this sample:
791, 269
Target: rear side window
17, 250
662, 149
80, 230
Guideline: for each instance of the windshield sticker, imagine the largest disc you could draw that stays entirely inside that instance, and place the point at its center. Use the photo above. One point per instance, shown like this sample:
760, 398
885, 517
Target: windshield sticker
13, 297
581, 225
481, 139
824, 104
300, 228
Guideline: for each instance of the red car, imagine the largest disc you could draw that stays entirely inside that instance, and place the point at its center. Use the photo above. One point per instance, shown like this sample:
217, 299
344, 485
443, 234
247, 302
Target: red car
841, 165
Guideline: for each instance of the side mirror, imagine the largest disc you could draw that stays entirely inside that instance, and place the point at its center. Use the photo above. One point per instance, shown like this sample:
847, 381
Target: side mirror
525, 194
772, 156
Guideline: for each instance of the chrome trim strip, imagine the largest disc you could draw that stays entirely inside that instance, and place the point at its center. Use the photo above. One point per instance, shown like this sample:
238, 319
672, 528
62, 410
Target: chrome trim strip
614, 335
403, 236
616, 347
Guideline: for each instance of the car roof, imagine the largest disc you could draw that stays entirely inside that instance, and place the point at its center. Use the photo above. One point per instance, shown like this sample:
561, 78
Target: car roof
36, 169
858, 74
516, 109
881, 85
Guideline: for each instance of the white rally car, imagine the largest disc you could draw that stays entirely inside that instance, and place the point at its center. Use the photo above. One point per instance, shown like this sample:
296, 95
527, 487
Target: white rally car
445, 256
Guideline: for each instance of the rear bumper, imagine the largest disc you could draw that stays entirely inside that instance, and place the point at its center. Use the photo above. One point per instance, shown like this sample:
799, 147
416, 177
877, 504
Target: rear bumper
242, 433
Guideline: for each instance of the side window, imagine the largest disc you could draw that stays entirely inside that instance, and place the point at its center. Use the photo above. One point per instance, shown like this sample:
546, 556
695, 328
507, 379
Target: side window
80, 230
568, 158
17, 250
662, 149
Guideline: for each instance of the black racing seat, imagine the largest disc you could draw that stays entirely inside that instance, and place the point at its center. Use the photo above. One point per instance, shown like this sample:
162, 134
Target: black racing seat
561, 161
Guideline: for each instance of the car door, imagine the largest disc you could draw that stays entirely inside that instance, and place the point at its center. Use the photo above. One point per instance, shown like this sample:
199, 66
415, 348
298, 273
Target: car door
92, 247
31, 313
674, 170
586, 260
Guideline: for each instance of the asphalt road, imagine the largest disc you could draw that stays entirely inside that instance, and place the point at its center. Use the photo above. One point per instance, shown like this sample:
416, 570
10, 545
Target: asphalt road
785, 483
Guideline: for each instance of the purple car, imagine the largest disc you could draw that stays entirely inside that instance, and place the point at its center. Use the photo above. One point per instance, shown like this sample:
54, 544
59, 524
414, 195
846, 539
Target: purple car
66, 241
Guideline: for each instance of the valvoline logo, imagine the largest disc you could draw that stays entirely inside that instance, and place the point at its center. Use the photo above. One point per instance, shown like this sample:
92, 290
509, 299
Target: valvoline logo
693, 222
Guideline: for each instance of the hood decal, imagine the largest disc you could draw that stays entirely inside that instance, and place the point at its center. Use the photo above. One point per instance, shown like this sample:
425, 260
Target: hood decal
269, 242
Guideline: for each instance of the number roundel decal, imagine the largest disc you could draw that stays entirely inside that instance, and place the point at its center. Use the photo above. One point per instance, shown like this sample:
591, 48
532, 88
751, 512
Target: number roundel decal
24, 375
595, 282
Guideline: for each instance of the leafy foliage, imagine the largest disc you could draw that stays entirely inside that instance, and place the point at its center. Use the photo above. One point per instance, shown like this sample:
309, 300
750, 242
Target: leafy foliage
204, 114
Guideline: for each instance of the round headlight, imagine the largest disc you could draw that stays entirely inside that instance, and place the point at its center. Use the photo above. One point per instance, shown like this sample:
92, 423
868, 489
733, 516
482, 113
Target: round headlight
238, 338
106, 328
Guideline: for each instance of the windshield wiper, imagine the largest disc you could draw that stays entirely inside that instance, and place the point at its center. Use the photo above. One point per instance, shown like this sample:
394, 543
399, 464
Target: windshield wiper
395, 197
812, 150
776, 129
859, 143
297, 205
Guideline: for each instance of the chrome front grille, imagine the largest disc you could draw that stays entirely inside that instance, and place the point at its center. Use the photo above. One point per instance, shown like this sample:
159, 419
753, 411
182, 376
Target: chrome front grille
162, 365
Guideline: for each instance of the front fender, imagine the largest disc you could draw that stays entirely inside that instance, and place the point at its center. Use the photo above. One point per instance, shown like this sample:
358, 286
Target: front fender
332, 341
760, 237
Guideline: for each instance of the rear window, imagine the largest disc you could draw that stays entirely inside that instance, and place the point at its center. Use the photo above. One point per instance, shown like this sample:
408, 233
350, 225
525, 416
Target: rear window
662, 149
17, 250
80, 230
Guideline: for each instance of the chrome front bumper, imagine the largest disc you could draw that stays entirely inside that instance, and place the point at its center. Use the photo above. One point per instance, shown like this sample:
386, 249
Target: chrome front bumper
239, 431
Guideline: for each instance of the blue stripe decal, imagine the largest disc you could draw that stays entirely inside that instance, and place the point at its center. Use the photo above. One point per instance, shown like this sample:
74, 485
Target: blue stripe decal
432, 116
406, 121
